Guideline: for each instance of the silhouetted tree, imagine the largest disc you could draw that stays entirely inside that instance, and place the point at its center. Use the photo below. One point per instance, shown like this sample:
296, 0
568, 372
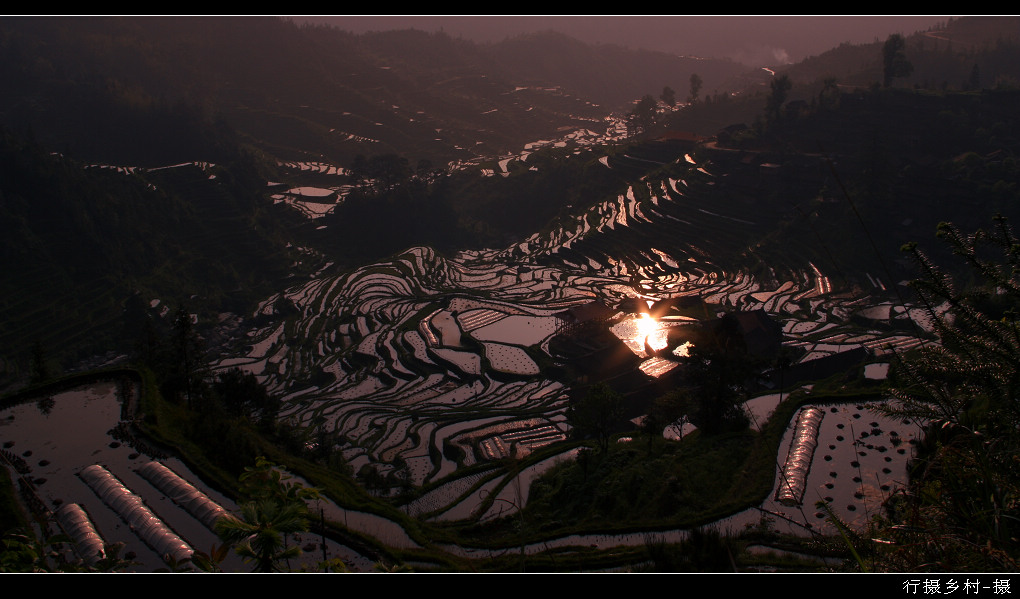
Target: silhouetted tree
644, 113
359, 169
668, 411
718, 368
186, 371
652, 426
584, 461
696, 84
388, 169
596, 414
894, 60
828, 98
242, 395
668, 96
632, 125
774, 105
258, 535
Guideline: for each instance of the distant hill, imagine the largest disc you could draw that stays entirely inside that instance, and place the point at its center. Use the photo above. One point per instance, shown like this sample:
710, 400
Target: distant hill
942, 58
606, 73
965, 54
148, 90
95, 85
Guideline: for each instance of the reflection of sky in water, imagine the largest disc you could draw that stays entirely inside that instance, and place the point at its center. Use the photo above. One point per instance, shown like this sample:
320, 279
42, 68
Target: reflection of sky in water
636, 330
876, 371
61, 437
73, 435
518, 329
656, 366
684, 350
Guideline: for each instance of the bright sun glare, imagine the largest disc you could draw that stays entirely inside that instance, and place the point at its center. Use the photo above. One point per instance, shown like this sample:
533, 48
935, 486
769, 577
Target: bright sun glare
646, 325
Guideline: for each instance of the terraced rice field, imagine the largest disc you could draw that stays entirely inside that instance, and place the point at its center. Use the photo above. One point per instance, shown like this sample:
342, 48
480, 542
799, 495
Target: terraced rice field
425, 357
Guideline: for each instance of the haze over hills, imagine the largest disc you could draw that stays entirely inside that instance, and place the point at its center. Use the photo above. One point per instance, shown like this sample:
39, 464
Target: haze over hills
421, 95
429, 251
752, 40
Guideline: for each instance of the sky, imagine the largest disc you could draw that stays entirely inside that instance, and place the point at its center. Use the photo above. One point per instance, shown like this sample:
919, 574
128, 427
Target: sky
755, 40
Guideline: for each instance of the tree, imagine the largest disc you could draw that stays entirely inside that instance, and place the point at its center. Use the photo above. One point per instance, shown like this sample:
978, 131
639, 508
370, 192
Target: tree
644, 112
828, 98
359, 169
962, 507
894, 60
781, 87
668, 96
387, 170
370, 478
668, 411
243, 396
596, 414
717, 368
259, 534
652, 426
632, 125
186, 372
696, 84
979, 353
275, 509
781, 364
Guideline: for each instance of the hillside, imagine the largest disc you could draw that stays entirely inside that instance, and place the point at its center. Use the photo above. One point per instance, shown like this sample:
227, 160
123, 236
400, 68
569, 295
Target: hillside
302, 92
942, 58
607, 74
80, 241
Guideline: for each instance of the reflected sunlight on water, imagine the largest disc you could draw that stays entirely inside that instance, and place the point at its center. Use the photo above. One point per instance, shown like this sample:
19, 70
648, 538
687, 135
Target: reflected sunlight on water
635, 332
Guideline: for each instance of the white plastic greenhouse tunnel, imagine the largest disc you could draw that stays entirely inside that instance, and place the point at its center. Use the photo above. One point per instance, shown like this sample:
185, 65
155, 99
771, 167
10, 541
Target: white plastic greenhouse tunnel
182, 493
798, 461
77, 525
133, 510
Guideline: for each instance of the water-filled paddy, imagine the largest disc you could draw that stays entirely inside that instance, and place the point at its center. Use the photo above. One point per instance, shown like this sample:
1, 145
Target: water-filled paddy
60, 435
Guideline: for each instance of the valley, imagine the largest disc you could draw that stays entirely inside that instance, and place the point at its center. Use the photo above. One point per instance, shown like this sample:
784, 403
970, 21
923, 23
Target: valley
403, 345
434, 372
651, 338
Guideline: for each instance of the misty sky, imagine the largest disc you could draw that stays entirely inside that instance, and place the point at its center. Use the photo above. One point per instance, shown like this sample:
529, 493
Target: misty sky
754, 40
